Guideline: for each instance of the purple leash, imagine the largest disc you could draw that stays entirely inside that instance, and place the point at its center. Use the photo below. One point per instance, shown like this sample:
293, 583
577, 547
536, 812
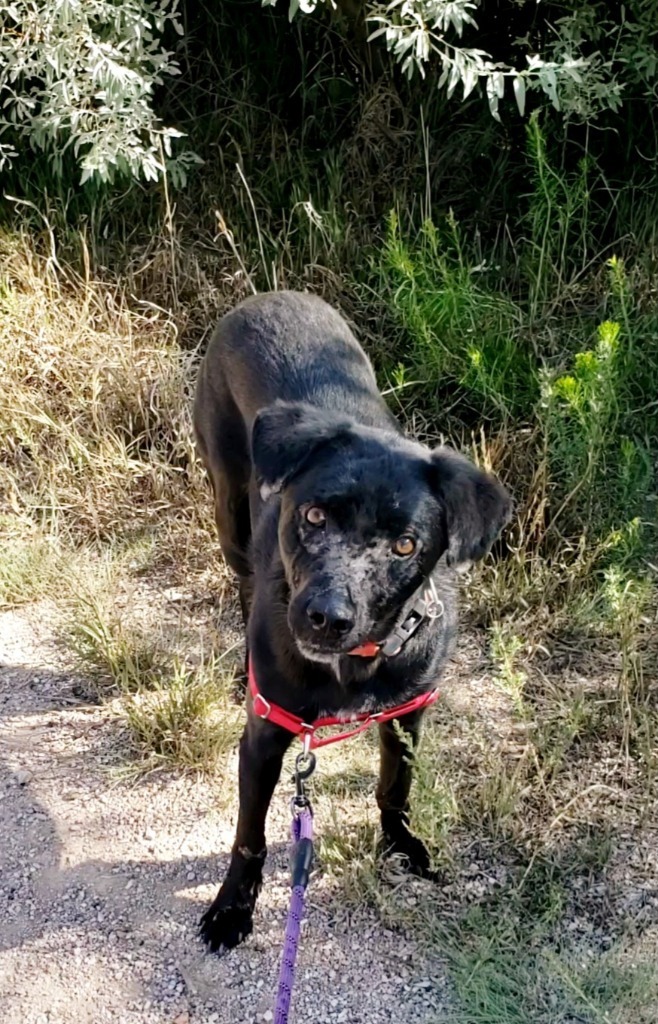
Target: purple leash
302, 858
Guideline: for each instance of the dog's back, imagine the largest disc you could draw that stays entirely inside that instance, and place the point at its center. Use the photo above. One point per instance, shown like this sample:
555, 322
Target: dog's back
286, 346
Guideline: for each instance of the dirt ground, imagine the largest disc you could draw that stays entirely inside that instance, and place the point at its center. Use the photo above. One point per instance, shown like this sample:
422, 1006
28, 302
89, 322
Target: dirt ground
103, 878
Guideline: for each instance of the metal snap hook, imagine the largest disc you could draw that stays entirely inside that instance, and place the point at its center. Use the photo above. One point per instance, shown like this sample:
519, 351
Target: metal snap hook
304, 765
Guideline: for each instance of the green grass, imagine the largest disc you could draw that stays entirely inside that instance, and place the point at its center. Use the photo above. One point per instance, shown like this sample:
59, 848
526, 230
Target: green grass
526, 940
569, 426
514, 957
510, 972
460, 329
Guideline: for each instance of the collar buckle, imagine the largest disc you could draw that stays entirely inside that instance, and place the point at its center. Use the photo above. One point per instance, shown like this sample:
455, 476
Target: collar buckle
428, 606
262, 708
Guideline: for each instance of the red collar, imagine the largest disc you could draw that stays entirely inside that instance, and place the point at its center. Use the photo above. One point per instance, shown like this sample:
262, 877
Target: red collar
279, 716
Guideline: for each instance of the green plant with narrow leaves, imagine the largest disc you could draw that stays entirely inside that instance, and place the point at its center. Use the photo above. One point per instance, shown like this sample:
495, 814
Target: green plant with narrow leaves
461, 329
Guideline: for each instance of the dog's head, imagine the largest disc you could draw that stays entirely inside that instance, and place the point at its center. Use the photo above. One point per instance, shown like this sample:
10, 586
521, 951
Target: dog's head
365, 516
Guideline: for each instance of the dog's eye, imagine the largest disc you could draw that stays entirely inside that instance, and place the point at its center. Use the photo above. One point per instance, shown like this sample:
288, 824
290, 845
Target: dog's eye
315, 516
404, 546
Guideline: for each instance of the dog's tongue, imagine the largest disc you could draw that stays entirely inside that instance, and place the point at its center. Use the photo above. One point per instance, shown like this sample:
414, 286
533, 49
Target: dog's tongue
367, 650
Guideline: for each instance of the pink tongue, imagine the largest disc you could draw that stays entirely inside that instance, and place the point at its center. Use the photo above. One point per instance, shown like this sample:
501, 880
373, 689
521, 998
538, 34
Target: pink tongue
367, 650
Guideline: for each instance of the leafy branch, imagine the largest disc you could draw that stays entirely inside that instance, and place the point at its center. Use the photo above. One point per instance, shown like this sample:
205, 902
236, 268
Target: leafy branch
80, 74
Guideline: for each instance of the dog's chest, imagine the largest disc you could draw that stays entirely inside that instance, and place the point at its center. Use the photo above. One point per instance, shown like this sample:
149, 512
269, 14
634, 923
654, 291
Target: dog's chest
367, 706
347, 708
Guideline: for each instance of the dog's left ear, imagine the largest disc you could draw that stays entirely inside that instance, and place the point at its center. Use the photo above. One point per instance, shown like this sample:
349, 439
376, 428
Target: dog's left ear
477, 505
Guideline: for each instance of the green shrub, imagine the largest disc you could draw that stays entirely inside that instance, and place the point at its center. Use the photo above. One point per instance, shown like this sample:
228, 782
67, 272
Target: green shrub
460, 330
558, 348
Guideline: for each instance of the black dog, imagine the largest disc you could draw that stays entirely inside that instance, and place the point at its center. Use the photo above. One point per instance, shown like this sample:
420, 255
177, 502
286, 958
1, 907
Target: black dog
336, 525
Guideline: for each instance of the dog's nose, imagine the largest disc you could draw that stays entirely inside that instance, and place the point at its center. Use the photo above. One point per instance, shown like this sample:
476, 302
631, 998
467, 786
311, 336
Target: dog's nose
331, 614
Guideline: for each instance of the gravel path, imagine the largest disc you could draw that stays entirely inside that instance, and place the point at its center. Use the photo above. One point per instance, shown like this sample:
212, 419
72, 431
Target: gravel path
102, 881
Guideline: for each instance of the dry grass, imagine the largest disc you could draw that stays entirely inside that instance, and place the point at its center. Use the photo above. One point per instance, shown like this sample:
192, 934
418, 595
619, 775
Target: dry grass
94, 403
101, 486
30, 565
189, 722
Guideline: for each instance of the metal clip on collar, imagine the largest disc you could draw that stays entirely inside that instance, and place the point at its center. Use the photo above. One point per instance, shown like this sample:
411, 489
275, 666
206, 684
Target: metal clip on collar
428, 606
433, 604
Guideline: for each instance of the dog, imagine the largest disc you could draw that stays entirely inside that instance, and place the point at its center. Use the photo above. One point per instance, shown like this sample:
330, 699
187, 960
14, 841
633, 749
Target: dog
336, 524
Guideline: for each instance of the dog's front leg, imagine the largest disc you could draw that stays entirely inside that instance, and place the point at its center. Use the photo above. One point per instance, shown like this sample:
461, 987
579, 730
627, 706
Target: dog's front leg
398, 739
229, 918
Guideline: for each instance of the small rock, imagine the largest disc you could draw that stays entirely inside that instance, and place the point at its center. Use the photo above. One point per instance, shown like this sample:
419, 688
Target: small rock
23, 777
182, 1018
268, 1015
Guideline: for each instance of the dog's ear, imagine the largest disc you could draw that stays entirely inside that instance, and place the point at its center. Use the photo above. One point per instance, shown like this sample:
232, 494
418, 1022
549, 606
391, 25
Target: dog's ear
286, 435
477, 505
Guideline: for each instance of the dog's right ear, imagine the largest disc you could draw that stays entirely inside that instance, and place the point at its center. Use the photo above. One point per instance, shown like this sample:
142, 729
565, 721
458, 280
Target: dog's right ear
285, 436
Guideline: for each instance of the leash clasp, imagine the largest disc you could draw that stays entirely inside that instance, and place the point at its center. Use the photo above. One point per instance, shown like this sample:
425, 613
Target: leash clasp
304, 767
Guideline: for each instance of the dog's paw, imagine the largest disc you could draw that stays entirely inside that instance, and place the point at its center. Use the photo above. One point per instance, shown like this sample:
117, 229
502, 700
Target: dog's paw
224, 927
416, 856
398, 840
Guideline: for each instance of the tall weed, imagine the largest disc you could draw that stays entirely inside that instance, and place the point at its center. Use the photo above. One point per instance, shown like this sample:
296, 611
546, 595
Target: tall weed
462, 331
